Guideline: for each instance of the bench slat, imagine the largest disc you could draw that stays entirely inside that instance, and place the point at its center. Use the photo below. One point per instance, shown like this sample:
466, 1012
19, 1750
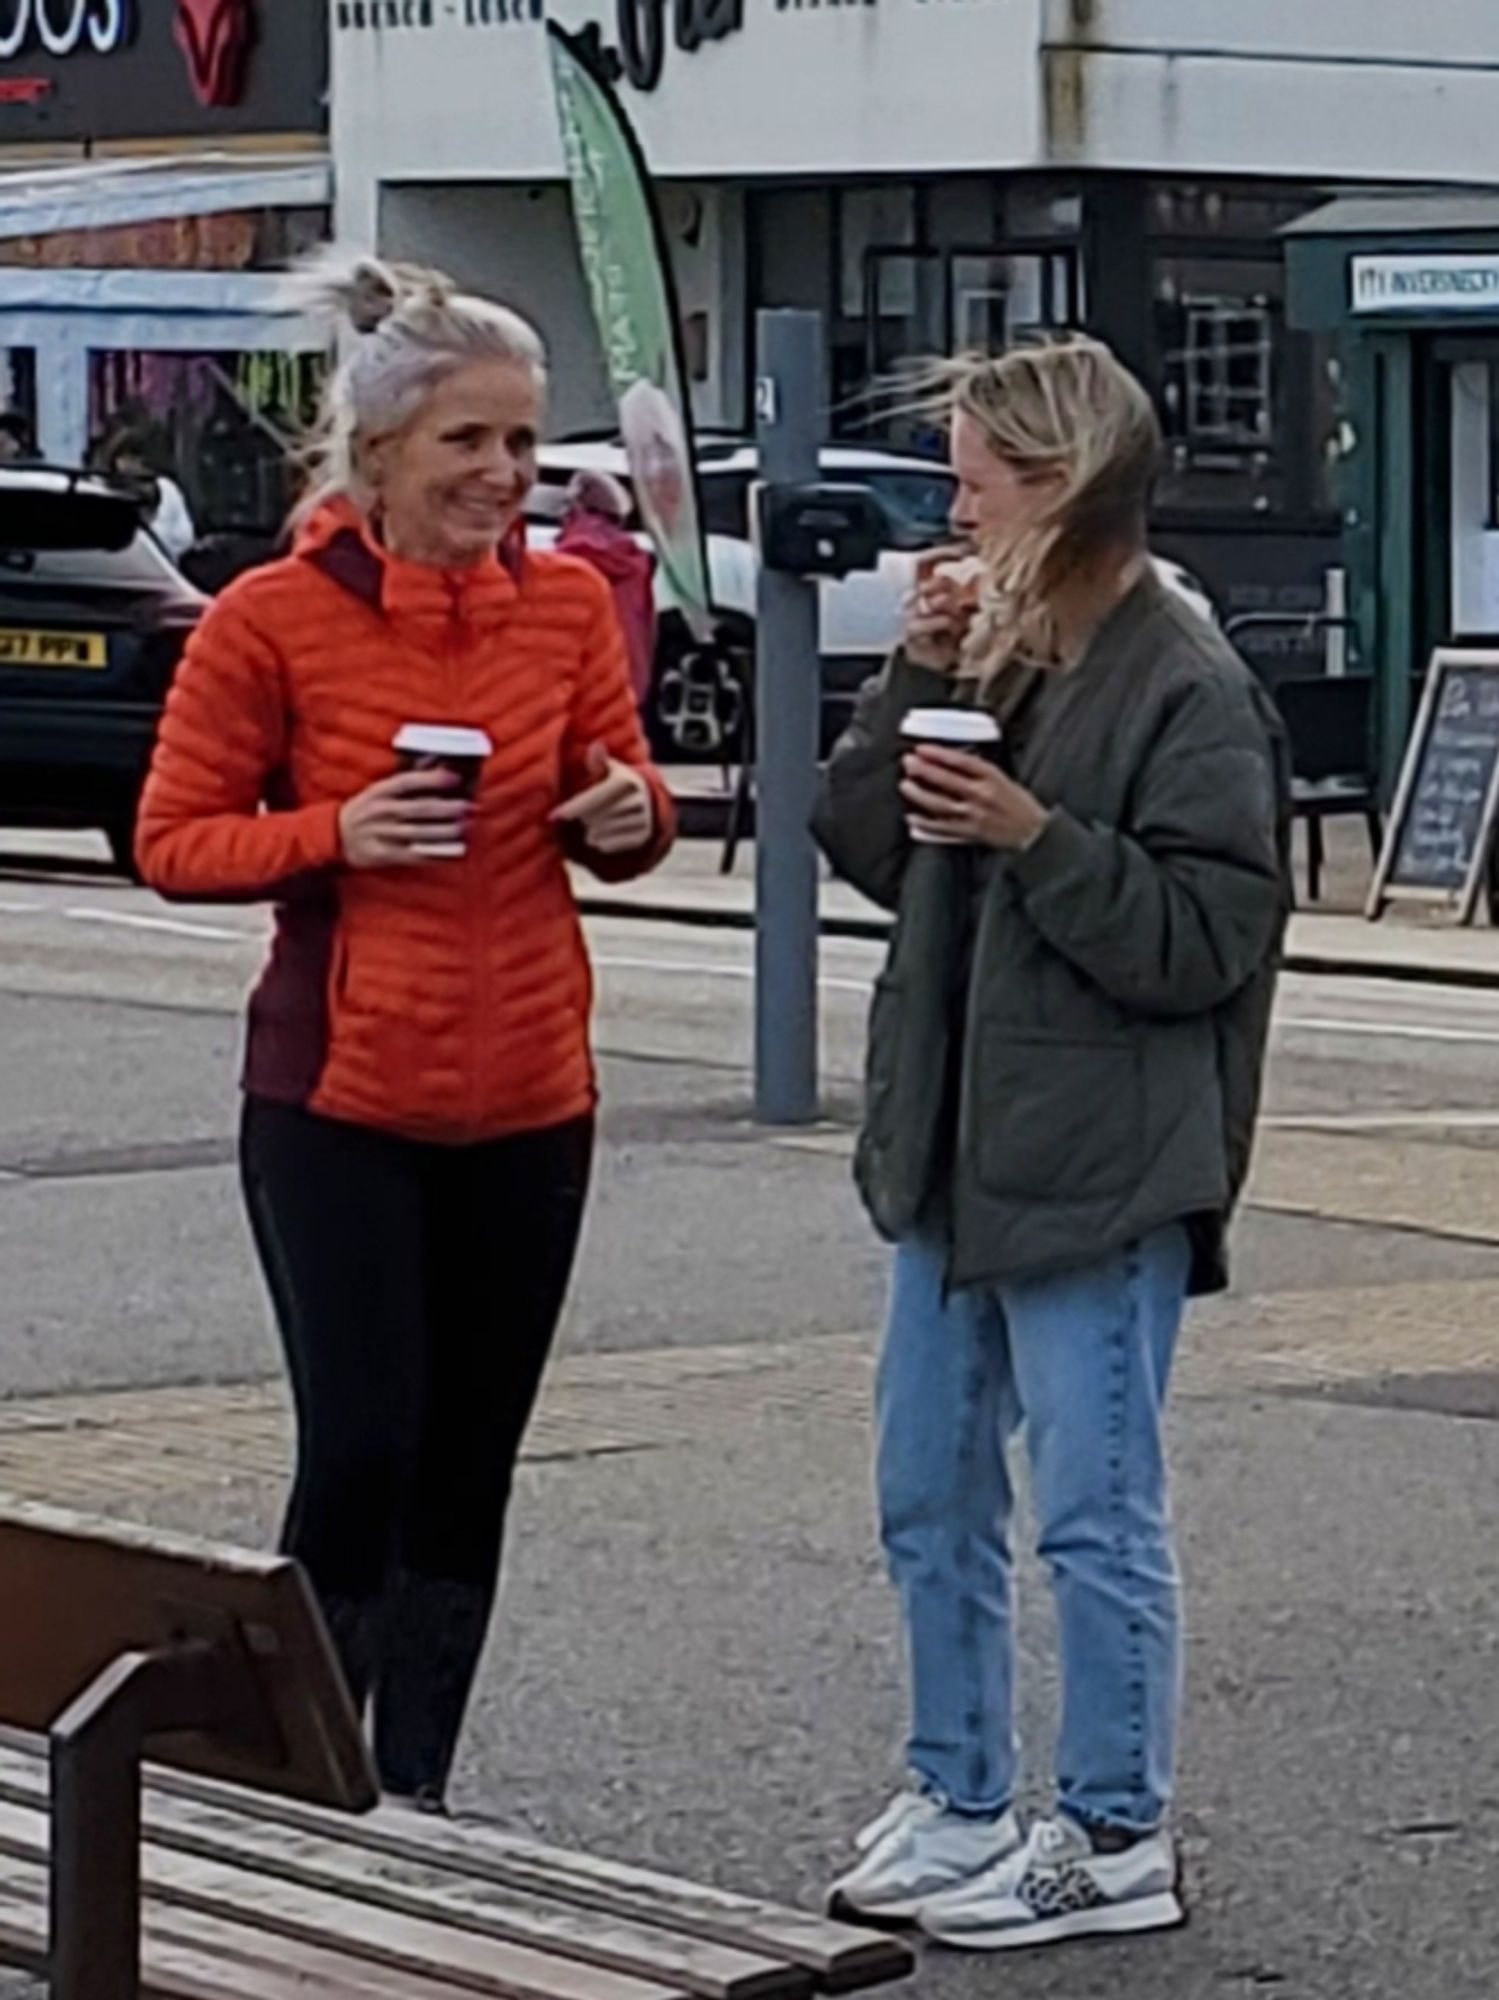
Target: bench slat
197, 1961
169, 1933
415, 1889
841, 1957
305, 1916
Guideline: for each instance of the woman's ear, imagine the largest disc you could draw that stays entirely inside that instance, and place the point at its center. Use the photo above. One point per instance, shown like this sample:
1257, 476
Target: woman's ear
369, 463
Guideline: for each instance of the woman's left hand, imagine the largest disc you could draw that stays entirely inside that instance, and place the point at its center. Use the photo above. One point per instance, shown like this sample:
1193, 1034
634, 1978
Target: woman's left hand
617, 813
953, 796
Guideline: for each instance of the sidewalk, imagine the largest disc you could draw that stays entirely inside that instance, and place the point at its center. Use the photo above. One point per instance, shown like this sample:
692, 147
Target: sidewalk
1335, 939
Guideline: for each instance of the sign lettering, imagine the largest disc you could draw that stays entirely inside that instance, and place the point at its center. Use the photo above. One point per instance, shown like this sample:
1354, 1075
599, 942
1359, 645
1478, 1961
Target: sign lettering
64, 27
643, 29
1441, 282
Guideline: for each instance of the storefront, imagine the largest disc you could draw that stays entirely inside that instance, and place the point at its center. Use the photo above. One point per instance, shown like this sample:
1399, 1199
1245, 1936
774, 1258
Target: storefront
157, 172
932, 174
1409, 288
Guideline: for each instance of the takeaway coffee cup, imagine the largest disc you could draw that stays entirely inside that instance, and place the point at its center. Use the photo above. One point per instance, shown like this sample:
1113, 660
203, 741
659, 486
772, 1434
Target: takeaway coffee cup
430, 746
966, 729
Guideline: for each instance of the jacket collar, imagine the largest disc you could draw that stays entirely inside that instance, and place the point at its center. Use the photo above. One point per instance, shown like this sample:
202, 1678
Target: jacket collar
420, 598
1124, 624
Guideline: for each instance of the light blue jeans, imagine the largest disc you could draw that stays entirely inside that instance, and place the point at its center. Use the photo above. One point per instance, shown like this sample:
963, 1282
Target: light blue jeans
1083, 1362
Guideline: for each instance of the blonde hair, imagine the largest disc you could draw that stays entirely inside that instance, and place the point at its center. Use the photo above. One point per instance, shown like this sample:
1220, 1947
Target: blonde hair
1067, 407
401, 329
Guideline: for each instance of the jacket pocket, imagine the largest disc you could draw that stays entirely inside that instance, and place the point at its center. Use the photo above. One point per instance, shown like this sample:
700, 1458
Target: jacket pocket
1058, 1118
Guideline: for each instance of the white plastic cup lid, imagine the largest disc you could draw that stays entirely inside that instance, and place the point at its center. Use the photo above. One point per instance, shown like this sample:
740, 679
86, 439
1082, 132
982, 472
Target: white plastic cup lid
435, 739
961, 728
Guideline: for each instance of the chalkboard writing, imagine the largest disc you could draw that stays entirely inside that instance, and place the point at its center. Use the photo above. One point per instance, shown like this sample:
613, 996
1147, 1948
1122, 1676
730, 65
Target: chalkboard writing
1442, 826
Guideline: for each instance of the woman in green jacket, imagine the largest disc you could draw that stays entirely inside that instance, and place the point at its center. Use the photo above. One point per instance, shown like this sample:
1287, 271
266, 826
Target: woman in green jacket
1064, 1071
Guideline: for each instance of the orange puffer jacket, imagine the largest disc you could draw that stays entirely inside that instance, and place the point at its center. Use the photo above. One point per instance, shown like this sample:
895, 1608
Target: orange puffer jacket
450, 1001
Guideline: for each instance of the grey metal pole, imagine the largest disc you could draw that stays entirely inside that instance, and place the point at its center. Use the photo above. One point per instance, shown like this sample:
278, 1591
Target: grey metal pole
788, 701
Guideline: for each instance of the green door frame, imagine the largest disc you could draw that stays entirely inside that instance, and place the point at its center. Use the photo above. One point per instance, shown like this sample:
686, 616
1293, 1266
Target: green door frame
1397, 477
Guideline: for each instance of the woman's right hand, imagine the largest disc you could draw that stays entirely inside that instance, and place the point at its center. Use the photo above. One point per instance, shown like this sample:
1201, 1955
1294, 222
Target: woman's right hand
386, 825
938, 617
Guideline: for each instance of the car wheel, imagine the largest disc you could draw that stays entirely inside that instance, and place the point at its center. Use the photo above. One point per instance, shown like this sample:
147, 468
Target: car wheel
698, 706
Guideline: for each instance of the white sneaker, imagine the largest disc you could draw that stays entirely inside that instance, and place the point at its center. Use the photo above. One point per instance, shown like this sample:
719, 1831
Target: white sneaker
1059, 1887
901, 1808
917, 1849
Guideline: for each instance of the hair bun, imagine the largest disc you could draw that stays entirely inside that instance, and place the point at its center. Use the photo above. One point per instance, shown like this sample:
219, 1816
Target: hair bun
370, 295
350, 289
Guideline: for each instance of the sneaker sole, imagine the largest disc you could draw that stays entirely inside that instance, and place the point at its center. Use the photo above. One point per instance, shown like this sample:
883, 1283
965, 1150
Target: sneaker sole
894, 1917
1150, 1913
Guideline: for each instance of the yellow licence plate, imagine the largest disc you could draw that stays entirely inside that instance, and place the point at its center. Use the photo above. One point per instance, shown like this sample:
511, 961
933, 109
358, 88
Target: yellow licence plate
53, 649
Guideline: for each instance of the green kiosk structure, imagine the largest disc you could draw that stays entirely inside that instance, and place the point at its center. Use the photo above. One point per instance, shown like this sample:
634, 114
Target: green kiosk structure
1410, 284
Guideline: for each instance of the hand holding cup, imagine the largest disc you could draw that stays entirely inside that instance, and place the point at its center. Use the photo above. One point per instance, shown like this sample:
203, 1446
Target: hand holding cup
953, 785
423, 812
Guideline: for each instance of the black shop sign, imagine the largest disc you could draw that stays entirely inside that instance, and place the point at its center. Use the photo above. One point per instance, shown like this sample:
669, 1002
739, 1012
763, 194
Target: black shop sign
76, 71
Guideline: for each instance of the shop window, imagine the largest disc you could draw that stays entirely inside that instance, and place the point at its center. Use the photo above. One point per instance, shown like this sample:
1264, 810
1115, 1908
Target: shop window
1220, 329
225, 427
17, 402
871, 221
999, 299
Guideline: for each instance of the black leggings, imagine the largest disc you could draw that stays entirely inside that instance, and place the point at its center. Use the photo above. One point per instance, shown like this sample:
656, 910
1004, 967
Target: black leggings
418, 1289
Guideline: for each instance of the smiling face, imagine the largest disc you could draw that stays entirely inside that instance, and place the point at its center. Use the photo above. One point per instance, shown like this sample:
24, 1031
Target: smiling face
995, 500
452, 481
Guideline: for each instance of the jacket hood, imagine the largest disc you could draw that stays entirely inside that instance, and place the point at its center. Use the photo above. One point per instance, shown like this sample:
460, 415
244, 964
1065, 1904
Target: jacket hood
612, 550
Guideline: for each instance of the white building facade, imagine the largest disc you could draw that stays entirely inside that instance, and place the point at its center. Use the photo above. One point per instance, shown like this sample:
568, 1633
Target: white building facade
931, 174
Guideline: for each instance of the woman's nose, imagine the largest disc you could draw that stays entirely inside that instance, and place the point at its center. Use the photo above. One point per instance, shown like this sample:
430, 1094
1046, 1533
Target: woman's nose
499, 467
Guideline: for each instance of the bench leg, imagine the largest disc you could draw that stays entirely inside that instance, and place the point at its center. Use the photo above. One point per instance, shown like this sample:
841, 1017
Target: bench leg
1314, 857
96, 1749
96, 1831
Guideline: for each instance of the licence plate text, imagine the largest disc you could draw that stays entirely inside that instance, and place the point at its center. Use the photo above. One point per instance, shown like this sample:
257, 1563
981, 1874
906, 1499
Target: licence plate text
53, 649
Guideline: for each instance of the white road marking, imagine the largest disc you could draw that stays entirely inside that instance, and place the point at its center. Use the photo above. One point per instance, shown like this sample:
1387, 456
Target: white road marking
695, 969
1410, 1031
1383, 1121
1310, 1023
173, 926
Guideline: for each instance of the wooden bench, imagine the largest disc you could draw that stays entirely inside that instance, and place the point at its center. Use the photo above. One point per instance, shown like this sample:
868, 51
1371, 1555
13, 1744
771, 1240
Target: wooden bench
253, 1861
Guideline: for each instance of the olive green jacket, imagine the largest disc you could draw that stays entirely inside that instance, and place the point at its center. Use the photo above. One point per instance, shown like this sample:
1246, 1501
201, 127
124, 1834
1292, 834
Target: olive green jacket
1067, 1044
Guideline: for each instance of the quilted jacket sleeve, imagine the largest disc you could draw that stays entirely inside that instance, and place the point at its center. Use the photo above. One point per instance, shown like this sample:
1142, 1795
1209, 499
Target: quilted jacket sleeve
860, 820
1173, 914
201, 830
604, 712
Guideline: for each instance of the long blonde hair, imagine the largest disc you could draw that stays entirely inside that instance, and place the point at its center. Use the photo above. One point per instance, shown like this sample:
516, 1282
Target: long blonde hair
400, 330
1062, 406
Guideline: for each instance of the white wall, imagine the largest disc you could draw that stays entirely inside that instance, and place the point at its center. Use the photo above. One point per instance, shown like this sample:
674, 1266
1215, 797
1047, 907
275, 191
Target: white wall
1475, 544
514, 244
517, 244
1398, 90
905, 84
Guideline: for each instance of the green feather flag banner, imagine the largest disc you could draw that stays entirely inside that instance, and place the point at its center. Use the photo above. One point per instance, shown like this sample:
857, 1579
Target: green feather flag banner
628, 270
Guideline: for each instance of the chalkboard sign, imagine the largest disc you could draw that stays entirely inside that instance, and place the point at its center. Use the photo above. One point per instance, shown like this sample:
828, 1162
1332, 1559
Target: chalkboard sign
1437, 845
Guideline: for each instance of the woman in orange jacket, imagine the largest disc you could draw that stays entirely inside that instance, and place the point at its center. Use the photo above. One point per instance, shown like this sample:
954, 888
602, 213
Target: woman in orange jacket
398, 735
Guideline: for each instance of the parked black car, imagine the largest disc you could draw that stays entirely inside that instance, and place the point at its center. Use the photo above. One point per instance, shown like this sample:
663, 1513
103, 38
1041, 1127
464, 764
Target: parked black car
93, 619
